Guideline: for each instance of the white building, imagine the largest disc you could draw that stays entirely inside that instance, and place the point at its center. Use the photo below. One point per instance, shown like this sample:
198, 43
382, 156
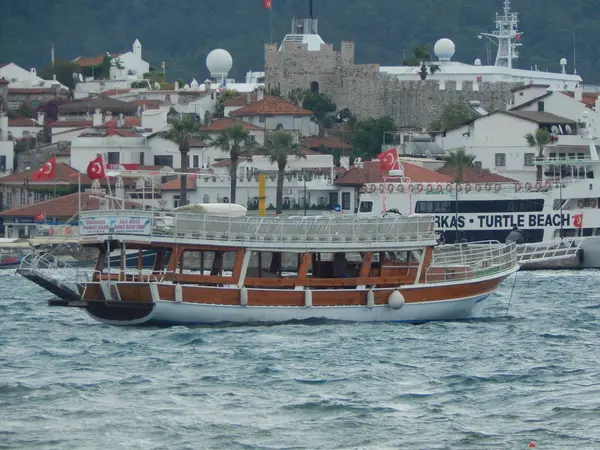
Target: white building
21, 78
7, 153
133, 66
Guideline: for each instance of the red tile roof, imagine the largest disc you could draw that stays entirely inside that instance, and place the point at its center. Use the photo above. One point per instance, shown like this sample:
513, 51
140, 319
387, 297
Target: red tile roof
221, 124
588, 98
175, 184
271, 106
65, 174
23, 122
149, 104
472, 175
65, 206
371, 173
308, 151
87, 61
30, 91
240, 101
70, 124
126, 133
317, 142
195, 143
128, 122
110, 92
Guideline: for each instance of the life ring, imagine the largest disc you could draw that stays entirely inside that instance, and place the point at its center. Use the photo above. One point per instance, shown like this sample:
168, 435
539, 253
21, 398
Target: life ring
517, 186
429, 188
548, 185
400, 187
580, 203
478, 187
459, 187
593, 203
372, 188
381, 188
467, 188
419, 187
497, 187
528, 186
538, 186
440, 188
68, 231
390, 188
488, 187
448, 188
363, 188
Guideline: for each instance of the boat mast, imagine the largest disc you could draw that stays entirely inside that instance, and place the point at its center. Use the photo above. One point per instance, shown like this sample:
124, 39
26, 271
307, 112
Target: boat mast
506, 36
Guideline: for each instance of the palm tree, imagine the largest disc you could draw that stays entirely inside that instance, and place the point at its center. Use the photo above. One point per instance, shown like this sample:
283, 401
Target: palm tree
459, 159
539, 140
233, 140
422, 59
279, 145
183, 130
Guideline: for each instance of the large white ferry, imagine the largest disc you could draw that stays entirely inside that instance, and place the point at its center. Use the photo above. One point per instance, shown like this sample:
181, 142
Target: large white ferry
565, 205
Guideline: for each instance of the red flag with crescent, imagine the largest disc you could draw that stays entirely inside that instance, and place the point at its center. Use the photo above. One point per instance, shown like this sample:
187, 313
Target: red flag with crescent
46, 172
578, 220
388, 160
267, 4
95, 169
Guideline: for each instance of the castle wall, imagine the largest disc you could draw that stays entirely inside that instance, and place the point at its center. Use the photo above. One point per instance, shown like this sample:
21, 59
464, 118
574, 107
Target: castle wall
367, 92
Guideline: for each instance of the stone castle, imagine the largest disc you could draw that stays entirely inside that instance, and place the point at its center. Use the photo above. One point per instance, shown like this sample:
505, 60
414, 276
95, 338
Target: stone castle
366, 91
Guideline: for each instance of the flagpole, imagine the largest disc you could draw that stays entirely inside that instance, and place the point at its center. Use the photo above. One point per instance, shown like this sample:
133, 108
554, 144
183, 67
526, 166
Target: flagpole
271, 24
79, 193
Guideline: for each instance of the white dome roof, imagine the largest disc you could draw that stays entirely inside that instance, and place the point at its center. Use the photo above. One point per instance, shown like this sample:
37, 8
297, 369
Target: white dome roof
219, 63
444, 49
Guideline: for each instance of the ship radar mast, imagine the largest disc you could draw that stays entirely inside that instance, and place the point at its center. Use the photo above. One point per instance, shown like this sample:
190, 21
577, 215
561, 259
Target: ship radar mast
506, 36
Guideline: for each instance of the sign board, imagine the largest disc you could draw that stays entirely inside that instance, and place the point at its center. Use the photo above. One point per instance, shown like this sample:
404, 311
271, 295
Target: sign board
507, 221
115, 225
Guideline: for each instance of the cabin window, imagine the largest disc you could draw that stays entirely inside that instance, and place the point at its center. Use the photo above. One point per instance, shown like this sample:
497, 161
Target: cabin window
450, 235
541, 106
500, 159
528, 159
176, 200
478, 206
365, 207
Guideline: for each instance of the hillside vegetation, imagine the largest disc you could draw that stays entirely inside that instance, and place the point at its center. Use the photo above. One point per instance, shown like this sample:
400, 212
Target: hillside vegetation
182, 32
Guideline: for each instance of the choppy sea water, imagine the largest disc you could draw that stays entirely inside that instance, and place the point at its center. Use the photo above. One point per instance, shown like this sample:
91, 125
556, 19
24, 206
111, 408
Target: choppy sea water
501, 382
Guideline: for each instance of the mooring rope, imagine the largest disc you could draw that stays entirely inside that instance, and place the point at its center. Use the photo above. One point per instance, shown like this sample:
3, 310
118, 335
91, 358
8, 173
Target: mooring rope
511, 294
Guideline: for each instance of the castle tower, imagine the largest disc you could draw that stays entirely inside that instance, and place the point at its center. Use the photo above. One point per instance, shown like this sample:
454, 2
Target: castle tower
137, 49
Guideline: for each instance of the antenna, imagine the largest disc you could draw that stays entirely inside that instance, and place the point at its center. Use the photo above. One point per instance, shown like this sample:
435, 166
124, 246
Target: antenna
574, 53
506, 36
310, 8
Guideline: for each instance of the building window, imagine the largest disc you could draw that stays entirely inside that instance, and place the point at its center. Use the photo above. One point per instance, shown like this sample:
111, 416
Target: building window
314, 86
113, 158
334, 199
251, 139
261, 119
142, 156
176, 199
23, 197
9, 199
196, 161
163, 160
500, 159
365, 207
2, 163
528, 161
477, 165
345, 201
279, 127
541, 106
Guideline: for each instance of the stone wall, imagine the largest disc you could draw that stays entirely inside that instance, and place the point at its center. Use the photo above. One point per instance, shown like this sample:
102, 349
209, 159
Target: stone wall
367, 92
38, 156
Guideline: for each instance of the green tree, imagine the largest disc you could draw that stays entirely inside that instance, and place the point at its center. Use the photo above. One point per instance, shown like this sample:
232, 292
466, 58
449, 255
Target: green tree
26, 110
227, 94
183, 130
453, 114
105, 67
154, 77
321, 106
232, 140
367, 136
279, 146
458, 160
539, 140
422, 59
63, 70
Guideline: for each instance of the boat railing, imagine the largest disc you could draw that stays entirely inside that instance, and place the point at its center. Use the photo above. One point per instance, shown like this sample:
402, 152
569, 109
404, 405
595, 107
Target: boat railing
472, 260
546, 251
282, 229
52, 269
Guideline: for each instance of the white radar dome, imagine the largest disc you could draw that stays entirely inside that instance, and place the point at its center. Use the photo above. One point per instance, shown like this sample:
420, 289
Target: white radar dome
477, 62
444, 49
563, 61
219, 63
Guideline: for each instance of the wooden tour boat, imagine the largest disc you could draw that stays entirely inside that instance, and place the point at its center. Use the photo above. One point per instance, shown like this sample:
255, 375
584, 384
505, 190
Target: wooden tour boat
213, 269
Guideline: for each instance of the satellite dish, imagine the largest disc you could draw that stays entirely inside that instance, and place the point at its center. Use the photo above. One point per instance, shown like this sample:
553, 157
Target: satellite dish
568, 129
554, 130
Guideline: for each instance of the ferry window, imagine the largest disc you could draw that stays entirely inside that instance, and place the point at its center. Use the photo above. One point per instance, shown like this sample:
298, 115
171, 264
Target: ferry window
479, 206
500, 159
365, 207
176, 201
528, 162
345, 201
552, 155
450, 235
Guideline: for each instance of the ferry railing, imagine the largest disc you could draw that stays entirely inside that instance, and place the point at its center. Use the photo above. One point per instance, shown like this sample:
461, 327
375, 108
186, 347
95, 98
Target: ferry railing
545, 251
472, 260
282, 229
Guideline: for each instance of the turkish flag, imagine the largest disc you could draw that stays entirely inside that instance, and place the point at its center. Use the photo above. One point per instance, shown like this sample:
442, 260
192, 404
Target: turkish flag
46, 172
578, 220
39, 217
267, 4
95, 169
388, 160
